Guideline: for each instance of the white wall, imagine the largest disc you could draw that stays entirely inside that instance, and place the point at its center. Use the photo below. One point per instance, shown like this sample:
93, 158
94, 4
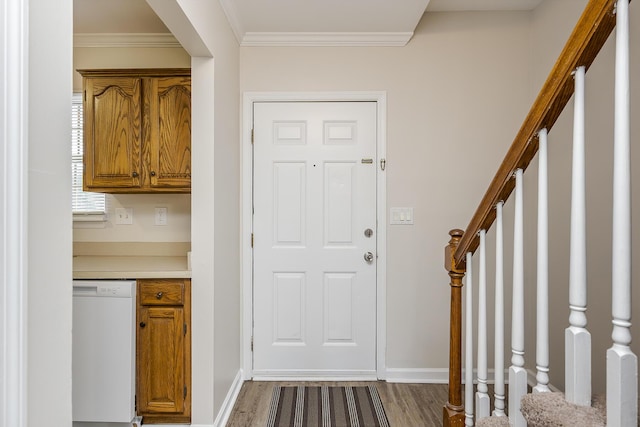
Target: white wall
552, 22
49, 216
201, 27
456, 96
143, 229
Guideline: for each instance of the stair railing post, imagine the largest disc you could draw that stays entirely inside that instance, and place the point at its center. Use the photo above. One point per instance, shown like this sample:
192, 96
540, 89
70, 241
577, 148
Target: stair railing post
498, 357
453, 411
468, 335
542, 288
517, 371
577, 337
483, 402
622, 363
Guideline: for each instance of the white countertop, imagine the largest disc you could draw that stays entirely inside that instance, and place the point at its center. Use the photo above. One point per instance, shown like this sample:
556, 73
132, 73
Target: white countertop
130, 267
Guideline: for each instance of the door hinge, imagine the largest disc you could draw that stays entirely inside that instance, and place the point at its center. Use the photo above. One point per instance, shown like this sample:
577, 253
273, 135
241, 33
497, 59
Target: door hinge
85, 96
251, 239
252, 136
185, 329
251, 343
185, 392
383, 164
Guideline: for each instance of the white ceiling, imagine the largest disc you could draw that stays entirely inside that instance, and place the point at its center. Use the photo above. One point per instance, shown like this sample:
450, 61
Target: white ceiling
260, 22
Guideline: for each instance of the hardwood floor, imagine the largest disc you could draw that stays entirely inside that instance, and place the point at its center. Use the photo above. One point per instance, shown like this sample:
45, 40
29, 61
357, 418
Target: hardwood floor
406, 405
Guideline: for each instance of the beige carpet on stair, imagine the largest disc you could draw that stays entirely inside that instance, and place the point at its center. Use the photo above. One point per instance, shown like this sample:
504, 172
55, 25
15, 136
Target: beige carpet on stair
551, 409
493, 422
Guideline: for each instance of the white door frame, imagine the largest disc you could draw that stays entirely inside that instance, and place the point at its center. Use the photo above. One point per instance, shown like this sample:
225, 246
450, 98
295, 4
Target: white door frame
14, 142
246, 208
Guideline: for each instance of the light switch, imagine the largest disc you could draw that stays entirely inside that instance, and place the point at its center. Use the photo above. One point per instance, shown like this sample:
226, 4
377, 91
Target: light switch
401, 216
124, 216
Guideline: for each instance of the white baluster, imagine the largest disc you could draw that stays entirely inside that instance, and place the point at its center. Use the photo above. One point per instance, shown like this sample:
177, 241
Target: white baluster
517, 372
482, 396
622, 364
577, 338
498, 410
468, 360
542, 305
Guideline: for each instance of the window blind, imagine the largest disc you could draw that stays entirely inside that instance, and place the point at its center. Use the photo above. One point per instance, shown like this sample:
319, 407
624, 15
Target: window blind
82, 202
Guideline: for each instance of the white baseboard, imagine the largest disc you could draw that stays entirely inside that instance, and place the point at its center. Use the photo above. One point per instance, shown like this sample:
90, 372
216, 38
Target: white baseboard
432, 375
229, 401
418, 375
531, 380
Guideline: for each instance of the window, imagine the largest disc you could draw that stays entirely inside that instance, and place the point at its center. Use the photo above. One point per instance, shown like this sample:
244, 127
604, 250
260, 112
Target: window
86, 206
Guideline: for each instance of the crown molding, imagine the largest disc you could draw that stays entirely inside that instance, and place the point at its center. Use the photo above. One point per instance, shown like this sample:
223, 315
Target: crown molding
229, 8
125, 40
325, 39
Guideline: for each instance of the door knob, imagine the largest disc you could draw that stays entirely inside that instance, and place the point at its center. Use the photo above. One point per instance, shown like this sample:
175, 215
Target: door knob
368, 256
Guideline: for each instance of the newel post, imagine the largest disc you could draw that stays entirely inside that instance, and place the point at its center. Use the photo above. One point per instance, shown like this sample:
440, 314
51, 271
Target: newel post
453, 413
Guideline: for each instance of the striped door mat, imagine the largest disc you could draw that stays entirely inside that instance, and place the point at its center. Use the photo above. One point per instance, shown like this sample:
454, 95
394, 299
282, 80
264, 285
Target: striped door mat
326, 406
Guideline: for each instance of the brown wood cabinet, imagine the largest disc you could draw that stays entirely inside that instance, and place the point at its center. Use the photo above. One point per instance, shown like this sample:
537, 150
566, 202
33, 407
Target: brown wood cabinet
164, 351
137, 130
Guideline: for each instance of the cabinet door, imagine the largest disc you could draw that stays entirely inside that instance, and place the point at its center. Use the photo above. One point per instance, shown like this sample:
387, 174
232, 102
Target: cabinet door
112, 132
161, 360
169, 136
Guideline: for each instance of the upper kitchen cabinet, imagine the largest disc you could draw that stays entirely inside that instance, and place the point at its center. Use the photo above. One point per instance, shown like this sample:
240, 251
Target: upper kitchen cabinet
137, 130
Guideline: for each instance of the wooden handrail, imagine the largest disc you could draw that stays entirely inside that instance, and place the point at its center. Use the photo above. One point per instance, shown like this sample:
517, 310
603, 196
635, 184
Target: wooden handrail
586, 40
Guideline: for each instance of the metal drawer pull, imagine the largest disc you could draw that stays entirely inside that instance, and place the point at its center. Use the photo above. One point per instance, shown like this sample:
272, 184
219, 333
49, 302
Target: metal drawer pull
159, 295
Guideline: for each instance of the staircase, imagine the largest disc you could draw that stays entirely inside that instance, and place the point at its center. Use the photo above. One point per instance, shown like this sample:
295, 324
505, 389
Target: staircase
467, 250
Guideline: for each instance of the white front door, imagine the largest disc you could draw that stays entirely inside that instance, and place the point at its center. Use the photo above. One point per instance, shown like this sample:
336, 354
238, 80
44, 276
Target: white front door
314, 294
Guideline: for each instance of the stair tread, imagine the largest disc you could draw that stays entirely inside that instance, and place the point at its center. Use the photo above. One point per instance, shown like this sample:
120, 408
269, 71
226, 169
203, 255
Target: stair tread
546, 409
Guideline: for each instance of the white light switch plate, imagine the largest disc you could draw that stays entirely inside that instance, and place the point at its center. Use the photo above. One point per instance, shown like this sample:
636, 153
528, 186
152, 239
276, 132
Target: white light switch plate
124, 216
402, 216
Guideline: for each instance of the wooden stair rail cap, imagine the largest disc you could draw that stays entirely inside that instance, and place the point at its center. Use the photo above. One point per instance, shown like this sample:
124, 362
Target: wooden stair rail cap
589, 35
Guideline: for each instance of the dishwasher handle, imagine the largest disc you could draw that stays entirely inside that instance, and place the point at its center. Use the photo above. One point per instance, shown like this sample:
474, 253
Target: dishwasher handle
85, 290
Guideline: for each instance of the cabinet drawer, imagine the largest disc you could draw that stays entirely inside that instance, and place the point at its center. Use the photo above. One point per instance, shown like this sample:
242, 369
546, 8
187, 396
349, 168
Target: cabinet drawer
161, 292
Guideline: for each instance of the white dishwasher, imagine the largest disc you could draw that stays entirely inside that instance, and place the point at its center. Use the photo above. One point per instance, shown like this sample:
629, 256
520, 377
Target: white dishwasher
104, 352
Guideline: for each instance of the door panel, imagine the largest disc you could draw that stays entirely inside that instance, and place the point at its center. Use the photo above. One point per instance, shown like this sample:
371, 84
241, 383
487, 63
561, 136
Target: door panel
314, 195
162, 337
113, 130
169, 100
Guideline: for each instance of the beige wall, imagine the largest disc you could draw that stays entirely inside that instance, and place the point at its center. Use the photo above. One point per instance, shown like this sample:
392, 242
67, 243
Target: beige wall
551, 25
456, 95
126, 57
143, 229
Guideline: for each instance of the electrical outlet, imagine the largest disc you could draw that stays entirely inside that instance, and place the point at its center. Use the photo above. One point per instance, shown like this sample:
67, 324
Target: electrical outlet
124, 216
161, 216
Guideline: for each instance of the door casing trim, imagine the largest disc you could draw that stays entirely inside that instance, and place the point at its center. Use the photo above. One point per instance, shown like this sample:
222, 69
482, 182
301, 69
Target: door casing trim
249, 98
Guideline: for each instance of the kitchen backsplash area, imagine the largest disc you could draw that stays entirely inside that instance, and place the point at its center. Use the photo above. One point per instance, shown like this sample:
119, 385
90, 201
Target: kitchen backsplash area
153, 217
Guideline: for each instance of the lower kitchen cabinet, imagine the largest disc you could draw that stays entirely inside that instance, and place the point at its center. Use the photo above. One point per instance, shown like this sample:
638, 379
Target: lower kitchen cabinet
164, 351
